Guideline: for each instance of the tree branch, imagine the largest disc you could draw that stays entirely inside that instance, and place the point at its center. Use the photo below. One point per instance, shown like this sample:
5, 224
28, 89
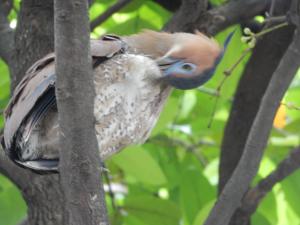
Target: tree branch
84, 198
185, 19
16, 174
6, 36
251, 88
254, 196
108, 13
34, 36
169, 5
190, 17
235, 12
246, 169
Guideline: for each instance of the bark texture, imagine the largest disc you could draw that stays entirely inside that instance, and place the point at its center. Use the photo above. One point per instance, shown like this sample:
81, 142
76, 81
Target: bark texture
33, 37
79, 161
42, 193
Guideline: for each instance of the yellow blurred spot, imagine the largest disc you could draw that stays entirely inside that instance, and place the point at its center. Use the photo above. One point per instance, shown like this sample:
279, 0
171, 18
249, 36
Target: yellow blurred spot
280, 118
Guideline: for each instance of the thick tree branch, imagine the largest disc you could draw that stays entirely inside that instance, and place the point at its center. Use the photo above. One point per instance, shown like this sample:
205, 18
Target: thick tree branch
16, 174
246, 169
254, 196
169, 5
109, 12
84, 200
33, 38
6, 36
185, 19
235, 12
189, 17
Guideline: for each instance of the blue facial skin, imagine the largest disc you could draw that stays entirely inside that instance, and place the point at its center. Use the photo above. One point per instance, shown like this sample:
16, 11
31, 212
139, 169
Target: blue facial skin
189, 80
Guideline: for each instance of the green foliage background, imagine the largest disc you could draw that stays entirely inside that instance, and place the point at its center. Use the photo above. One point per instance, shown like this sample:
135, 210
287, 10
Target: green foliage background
172, 179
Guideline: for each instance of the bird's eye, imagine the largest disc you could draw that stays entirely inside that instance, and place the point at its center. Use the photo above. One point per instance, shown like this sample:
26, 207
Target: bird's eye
187, 67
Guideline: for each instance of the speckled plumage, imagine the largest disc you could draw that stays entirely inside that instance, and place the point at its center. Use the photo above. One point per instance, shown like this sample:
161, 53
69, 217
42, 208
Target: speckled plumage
128, 101
127, 104
132, 82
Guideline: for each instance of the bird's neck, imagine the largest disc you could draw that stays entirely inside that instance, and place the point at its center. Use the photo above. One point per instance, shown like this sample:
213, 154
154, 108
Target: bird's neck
150, 43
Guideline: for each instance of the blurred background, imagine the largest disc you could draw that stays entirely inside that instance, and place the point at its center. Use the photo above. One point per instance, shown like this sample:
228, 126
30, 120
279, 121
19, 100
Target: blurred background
173, 178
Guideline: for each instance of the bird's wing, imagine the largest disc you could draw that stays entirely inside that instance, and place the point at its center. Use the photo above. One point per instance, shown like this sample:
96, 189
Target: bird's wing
35, 94
38, 80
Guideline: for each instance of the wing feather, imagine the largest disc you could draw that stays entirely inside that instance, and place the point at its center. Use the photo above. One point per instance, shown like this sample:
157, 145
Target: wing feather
35, 93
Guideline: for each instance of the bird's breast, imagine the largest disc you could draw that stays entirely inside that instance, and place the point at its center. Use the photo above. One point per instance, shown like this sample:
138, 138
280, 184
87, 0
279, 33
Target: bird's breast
129, 99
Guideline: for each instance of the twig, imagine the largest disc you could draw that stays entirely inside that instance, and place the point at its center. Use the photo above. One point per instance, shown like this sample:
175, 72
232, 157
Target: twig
275, 19
270, 29
253, 37
175, 142
272, 7
110, 191
229, 71
247, 167
110, 11
290, 105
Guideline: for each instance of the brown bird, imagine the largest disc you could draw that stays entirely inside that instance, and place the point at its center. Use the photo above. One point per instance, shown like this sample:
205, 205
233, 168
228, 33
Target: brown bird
133, 77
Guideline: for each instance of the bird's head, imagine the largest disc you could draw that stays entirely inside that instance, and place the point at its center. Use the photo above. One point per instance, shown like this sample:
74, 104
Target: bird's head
191, 60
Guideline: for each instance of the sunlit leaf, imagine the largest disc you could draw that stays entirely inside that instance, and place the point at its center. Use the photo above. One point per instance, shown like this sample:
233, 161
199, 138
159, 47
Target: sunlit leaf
140, 164
153, 211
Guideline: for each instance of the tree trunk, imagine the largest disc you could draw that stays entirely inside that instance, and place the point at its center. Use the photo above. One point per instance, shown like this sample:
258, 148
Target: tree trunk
84, 200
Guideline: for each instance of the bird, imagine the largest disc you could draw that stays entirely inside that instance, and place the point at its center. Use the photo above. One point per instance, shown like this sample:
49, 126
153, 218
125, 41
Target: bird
133, 77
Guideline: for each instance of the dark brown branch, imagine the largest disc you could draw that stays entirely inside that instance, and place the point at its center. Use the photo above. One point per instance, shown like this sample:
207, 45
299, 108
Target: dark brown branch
246, 169
235, 12
185, 19
169, 5
6, 35
191, 17
84, 198
108, 13
254, 196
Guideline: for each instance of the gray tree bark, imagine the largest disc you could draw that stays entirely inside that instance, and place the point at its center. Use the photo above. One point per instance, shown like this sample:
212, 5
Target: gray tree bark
79, 161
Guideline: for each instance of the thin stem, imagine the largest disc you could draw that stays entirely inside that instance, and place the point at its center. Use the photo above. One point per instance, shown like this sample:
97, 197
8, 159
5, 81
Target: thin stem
263, 32
230, 70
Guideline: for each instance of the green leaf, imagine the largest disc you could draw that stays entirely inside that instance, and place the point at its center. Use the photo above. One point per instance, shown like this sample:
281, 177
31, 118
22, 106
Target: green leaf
195, 190
4, 81
153, 211
291, 187
203, 213
168, 161
167, 116
188, 102
268, 208
259, 219
133, 6
137, 162
12, 205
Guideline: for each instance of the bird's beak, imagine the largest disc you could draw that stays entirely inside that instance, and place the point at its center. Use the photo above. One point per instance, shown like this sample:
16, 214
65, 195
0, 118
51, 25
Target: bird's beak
165, 62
